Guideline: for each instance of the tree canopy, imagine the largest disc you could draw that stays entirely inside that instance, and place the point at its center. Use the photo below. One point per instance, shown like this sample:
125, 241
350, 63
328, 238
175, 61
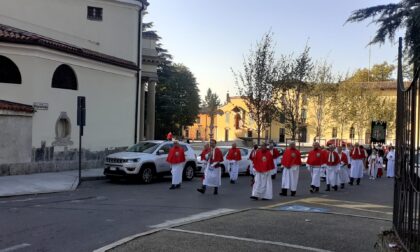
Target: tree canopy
392, 17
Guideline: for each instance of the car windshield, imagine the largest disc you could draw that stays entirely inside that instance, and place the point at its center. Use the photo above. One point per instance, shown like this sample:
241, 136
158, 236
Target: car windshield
145, 147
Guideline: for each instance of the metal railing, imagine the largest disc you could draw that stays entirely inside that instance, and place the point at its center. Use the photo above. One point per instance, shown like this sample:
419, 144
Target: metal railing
406, 218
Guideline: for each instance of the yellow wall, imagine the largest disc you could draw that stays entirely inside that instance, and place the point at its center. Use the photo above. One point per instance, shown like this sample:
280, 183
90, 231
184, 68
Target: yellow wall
225, 123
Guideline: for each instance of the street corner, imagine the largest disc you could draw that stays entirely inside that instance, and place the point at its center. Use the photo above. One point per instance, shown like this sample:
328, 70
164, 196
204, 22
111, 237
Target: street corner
291, 226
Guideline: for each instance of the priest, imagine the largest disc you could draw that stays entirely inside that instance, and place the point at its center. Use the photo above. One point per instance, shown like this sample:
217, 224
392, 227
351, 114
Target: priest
291, 161
316, 161
213, 173
358, 156
233, 157
176, 159
263, 165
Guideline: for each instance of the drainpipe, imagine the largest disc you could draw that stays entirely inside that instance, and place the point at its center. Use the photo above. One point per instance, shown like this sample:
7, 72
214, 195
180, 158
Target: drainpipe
138, 80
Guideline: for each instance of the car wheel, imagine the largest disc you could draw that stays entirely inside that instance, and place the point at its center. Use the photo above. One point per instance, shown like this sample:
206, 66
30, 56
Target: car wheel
188, 172
146, 174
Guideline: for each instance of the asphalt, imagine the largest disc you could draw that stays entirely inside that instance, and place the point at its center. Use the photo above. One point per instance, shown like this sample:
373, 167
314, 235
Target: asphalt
99, 213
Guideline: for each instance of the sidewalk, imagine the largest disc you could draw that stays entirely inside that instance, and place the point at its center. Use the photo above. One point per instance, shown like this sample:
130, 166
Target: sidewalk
45, 182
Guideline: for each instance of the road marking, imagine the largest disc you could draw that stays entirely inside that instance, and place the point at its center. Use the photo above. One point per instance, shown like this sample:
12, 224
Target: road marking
195, 217
16, 247
283, 244
280, 204
23, 200
348, 204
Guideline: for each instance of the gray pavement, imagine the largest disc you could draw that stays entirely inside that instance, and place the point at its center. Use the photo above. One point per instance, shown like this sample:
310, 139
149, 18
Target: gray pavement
100, 212
40, 183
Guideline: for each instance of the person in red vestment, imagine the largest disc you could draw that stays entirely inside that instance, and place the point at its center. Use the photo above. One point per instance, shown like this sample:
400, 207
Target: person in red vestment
358, 155
263, 164
316, 161
213, 173
333, 161
344, 162
291, 161
169, 136
176, 159
233, 157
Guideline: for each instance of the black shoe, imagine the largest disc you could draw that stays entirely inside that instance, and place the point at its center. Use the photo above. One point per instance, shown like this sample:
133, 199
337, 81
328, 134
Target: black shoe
253, 197
316, 189
172, 187
232, 181
283, 192
351, 181
335, 188
323, 179
328, 188
273, 176
312, 190
264, 199
202, 190
358, 181
216, 191
293, 194
178, 186
342, 186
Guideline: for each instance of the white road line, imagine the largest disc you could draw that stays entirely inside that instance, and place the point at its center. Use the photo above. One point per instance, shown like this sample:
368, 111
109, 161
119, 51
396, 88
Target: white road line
195, 217
16, 247
250, 240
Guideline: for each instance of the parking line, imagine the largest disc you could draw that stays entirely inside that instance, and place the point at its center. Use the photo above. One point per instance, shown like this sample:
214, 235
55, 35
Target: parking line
283, 244
16, 247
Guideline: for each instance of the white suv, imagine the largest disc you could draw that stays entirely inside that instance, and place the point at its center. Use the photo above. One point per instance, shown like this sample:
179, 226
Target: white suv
146, 160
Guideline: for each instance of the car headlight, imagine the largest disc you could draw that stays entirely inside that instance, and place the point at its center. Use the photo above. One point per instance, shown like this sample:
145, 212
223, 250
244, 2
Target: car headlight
135, 160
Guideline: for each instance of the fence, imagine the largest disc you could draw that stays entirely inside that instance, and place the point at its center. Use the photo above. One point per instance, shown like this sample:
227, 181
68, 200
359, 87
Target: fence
406, 218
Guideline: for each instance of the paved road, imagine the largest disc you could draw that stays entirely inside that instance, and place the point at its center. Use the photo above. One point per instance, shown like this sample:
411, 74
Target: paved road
100, 212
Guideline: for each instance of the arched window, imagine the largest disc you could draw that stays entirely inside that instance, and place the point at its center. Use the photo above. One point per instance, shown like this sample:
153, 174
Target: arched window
65, 78
9, 72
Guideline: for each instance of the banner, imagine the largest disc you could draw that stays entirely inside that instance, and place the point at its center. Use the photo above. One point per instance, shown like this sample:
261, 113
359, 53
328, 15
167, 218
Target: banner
378, 132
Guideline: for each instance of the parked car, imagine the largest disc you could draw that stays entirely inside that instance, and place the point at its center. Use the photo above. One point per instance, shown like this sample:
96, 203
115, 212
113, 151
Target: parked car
304, 157
146, 160
244, 164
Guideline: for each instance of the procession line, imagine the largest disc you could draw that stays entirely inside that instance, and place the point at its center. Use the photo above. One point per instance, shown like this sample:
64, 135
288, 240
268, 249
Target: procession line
283, 244
16, 247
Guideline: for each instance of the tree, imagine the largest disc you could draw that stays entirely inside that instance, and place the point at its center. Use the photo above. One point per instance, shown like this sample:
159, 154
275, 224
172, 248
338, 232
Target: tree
379, 72
255, 83
291, 87
177, 99
390, 18
322, 93
211, 104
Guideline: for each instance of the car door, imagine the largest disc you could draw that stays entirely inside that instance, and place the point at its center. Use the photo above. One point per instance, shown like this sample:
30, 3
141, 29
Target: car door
161, 156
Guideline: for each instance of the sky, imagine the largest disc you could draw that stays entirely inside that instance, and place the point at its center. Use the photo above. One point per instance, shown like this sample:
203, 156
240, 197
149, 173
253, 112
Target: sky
212, 37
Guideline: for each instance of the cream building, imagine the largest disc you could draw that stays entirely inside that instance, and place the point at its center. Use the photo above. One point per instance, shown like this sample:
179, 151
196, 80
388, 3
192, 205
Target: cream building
52, 51
234, 123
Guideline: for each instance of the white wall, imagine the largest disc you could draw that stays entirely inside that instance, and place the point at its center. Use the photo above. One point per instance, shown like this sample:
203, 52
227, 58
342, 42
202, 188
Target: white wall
66, 20
109, 91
